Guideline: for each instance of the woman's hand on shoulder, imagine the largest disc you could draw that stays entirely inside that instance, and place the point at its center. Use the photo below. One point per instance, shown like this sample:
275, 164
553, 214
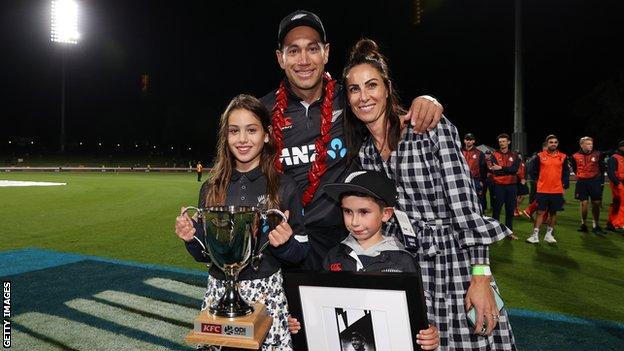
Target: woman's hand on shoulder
184, 227
424, 114
281, 233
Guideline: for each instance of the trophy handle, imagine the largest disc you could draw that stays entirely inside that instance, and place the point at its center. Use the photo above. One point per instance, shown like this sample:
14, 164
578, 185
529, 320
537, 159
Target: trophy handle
200, 212
257, 257
200, 216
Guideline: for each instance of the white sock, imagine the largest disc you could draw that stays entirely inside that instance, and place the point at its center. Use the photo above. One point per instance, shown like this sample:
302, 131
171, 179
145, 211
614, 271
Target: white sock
535, 231
549, 230
593, 223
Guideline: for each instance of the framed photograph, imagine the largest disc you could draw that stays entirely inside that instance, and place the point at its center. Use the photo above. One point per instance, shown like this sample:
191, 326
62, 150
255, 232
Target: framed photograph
347, 311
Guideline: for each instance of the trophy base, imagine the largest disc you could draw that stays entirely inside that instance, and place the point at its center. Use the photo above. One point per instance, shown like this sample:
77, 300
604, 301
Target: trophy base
246, 332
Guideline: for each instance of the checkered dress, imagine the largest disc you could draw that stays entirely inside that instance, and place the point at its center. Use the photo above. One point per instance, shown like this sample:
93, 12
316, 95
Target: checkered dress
436, 191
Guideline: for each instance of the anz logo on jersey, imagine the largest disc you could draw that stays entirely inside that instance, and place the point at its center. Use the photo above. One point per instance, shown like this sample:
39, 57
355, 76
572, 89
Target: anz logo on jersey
297, 155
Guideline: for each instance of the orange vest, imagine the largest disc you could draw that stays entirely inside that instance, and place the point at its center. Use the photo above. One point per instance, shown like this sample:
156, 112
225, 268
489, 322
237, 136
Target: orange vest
472, 158
550, 172
587, 165
619, 172
505, 160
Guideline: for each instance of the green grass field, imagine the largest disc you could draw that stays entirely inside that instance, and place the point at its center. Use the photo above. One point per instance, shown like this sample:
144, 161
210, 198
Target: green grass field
131, 216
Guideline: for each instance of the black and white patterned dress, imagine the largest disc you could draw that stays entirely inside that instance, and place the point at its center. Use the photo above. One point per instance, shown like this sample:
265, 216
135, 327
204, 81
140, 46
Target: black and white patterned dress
436, 191
270, 292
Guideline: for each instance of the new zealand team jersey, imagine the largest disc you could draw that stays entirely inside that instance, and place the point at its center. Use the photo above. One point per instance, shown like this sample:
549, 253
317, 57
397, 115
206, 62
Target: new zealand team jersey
302, 127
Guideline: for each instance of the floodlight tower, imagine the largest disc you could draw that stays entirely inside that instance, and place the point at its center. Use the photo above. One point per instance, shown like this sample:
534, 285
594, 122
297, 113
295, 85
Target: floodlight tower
519, 135
64, 32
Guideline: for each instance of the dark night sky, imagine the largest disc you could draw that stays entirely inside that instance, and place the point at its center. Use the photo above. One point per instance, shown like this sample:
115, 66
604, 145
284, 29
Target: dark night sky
199, 54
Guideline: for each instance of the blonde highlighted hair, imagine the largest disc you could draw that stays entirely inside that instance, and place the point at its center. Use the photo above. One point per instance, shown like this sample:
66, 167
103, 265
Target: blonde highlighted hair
584, 139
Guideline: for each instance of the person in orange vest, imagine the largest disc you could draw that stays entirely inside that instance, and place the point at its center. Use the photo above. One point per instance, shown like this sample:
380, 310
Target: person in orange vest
553, 176
504, 165
588, 166
476, 163
615, 172
199, 169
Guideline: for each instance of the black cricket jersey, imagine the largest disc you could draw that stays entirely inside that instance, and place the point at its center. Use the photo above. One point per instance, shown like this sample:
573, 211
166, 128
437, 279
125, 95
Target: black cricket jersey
322, 217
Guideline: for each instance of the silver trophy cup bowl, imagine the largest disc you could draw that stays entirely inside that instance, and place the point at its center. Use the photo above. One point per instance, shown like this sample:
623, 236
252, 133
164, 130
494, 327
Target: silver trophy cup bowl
232, 239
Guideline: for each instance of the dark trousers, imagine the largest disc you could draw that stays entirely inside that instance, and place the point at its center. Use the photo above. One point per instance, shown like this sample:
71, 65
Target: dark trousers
489, 187
481, 190
532, 190
505, 194
199, 175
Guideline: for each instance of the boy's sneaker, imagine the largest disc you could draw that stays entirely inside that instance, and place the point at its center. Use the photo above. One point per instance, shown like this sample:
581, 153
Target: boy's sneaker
609, 227
549, 238
598, 231
619, 230
583, 228
533, 239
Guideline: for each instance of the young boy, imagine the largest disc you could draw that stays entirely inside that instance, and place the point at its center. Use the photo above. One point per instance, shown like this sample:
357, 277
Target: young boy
367, 199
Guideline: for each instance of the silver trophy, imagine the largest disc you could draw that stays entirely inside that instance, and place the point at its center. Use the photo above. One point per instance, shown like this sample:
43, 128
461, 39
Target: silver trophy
232, 240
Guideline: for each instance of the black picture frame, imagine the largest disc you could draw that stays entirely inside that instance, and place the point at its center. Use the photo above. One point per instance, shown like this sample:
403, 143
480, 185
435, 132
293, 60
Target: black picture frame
410, 283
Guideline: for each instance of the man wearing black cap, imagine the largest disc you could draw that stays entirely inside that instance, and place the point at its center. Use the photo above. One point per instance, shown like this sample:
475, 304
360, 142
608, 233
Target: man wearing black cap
308, 109
615, 172
478, 168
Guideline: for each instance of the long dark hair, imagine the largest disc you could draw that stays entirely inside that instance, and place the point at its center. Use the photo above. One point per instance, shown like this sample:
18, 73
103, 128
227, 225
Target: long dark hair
224, 161
366, 51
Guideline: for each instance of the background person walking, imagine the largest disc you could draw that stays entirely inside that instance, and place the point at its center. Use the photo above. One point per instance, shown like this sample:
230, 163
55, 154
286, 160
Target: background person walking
199, 168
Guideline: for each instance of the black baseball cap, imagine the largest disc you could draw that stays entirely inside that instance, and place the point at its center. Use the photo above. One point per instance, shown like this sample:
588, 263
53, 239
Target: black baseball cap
299, 18
373, 183
469, 136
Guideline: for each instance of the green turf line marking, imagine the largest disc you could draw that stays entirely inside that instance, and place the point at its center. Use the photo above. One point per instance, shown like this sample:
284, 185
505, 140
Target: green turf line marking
26, 339
79, 336
193, 306
188, 324
176, 287
122, 317
148, 305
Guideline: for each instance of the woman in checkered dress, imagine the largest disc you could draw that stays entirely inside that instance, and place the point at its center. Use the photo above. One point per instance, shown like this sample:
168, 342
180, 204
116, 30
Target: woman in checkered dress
436, 192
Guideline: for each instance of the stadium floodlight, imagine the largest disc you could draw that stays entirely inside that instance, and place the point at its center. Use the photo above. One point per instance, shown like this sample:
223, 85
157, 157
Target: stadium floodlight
64, 31
64, 22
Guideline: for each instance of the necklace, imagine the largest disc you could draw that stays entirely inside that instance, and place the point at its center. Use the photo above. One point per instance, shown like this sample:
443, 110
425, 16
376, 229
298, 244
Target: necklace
319, 165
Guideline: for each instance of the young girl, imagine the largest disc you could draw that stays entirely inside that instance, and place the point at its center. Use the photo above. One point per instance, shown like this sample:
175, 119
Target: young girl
244, 175
435, 191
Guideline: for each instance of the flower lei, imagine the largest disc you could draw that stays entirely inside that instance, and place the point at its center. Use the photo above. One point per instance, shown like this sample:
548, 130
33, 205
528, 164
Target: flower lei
319, 166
